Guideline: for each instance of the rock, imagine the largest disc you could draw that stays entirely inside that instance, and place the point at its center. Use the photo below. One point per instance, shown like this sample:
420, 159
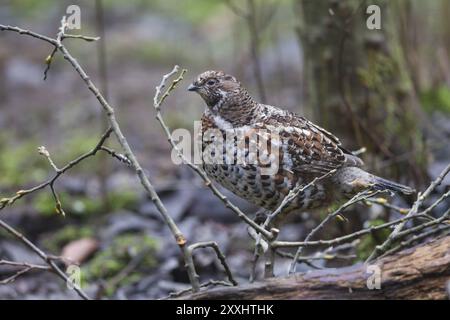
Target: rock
74, 185
17, 252
176, 203
125, 221
206, 206
79, 250
123, 180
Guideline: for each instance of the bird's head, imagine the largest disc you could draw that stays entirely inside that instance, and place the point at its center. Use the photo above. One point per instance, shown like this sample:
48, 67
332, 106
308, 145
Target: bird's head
216, 88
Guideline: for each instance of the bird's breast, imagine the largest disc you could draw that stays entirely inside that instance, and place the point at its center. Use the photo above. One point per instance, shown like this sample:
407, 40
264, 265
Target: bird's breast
232, 158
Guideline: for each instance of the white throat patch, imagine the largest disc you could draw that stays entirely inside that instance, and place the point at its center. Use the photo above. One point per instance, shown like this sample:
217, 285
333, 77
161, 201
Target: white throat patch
222, 123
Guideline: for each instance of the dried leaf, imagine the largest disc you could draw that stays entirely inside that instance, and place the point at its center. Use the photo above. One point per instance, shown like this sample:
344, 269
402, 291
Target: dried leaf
79, 250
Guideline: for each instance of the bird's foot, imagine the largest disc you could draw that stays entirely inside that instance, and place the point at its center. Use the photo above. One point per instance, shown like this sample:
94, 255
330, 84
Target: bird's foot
261, 216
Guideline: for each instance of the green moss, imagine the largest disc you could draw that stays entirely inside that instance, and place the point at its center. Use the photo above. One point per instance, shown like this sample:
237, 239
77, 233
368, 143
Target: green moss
31, 8
123, 200
6, 235
197, 11
368, 242
44, 203
20, 163
74, 146
379, 70
149, 52
58, 240
85, 206
193, 11
82, 205
436, 99
109, 262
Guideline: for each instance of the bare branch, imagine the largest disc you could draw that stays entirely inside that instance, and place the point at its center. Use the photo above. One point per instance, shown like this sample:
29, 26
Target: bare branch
43, 151
220, 255
414, 238
413, 211
25, 267
21, 193
28, 33
343, 239
316, 256
78, 36
357, 198
116, 155
47, 259
48, 62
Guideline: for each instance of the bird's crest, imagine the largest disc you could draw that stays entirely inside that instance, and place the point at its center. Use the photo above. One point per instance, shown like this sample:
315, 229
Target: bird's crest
213, 74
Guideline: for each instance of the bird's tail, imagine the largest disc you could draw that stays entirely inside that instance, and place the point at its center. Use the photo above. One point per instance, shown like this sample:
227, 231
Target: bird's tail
383, 184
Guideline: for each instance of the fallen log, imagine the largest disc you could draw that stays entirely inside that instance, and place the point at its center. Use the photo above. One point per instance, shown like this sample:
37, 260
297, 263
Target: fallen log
421, 272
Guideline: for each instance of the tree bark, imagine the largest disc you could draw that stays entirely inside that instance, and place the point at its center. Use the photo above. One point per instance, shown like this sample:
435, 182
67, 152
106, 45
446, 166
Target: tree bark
358, 86
422, 272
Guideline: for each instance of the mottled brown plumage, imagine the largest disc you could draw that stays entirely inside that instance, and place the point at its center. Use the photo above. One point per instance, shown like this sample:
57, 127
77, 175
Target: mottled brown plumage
305, 150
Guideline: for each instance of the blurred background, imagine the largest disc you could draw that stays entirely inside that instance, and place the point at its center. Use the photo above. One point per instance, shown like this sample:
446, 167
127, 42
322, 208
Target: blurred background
386, 90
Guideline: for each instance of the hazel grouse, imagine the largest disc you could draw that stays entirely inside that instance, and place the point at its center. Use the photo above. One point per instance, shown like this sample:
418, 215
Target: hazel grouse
305, 151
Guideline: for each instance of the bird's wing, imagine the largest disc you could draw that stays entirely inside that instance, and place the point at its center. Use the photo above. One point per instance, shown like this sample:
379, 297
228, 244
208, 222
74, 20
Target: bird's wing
310, 149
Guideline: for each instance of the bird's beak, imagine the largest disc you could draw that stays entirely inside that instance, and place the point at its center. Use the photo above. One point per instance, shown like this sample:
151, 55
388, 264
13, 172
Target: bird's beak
193, 87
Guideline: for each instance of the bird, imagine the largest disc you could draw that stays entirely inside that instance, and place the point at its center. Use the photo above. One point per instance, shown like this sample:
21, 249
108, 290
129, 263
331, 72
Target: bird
305, 151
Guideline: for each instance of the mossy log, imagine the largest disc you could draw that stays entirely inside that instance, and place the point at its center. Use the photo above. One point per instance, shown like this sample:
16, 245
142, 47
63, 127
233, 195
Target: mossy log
422, 272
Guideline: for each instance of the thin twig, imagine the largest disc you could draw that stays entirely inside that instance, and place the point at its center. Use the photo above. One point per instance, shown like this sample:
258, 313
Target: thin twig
43, 151
414, 238
317, 256
48, 62
413, 211
15, 276
435, 222
28, 33
116, 155
26, 267
220, 256
78, 36
59, 39
358, 197
21, 193
343, 239
48, 260
383, 202
23, 264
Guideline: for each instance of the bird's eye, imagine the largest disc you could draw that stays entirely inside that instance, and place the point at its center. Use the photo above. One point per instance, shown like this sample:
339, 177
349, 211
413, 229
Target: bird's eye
211, 82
